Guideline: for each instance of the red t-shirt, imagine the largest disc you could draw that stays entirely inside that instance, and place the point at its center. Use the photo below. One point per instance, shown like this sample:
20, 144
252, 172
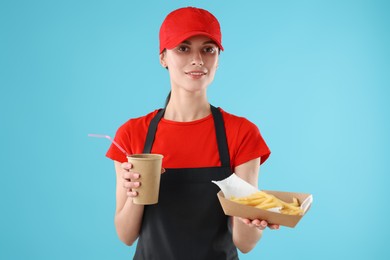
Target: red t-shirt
191, 144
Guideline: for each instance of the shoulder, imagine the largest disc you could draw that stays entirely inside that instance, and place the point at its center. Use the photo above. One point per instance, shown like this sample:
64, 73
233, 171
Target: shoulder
244, 139
139, 121
237, 122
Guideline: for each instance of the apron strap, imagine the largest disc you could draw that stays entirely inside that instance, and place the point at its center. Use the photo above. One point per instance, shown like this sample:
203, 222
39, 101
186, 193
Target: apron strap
221, 137
152, 131
219, 130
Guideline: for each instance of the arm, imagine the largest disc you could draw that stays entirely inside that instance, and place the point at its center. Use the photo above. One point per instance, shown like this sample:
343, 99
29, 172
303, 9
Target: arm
128, 216
246, 233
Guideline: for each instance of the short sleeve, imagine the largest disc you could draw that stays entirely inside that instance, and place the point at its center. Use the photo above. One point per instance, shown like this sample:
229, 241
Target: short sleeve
122, 137
251, 144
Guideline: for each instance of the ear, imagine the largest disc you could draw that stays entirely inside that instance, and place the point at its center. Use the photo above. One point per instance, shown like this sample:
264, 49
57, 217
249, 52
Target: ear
162, 60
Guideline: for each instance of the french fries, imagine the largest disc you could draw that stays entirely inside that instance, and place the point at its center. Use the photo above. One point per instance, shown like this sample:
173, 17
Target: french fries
263, 200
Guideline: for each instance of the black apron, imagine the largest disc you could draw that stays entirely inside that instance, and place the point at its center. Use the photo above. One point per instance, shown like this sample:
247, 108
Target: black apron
188, 221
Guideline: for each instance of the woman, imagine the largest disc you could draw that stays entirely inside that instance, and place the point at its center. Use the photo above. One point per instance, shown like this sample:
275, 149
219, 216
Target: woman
200, 143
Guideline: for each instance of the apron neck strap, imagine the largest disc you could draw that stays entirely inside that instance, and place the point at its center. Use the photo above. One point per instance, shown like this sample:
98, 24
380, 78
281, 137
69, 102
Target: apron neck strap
152, 131
221, 137
219, 130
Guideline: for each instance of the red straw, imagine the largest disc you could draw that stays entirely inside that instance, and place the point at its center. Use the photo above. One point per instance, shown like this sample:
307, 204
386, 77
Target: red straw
112, 140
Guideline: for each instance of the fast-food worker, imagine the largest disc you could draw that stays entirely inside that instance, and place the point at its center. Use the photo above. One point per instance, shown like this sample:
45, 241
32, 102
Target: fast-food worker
200, 143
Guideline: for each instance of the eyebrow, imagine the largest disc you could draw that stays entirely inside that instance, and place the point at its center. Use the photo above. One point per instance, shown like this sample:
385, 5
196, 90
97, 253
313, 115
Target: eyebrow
208, 42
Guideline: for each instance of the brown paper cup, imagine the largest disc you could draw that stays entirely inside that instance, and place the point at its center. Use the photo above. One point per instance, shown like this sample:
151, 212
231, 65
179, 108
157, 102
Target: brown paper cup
149, 168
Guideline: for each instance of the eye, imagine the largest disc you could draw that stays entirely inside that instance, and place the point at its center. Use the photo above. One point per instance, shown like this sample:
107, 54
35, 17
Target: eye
211, 50
182, 48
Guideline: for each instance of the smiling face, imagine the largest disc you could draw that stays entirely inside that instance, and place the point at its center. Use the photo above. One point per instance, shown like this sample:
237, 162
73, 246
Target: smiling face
192, 64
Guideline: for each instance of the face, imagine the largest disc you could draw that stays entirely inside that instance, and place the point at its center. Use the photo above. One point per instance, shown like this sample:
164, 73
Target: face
192, 64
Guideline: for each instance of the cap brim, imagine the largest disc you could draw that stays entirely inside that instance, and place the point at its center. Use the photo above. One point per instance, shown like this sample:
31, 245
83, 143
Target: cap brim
175, 42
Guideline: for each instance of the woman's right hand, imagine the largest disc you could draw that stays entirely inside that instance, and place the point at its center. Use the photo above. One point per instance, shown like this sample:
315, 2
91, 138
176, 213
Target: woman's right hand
130, 179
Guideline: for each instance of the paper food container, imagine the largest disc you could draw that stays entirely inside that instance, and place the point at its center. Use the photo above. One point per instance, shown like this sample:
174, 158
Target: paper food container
235, 186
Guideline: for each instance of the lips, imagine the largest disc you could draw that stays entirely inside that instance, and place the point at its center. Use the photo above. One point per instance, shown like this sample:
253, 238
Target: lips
195, 74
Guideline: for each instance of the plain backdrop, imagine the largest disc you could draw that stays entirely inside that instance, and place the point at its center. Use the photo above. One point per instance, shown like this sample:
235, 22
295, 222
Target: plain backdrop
312, 75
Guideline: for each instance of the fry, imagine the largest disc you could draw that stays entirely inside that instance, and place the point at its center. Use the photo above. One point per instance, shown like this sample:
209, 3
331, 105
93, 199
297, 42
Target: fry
269, 205
263, 200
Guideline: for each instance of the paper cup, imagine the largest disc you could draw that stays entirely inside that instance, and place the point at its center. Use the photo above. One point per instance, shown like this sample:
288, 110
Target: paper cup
149, 168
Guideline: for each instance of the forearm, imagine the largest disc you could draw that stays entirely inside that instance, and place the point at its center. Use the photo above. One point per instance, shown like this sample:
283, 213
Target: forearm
245, 236
128, 221
128, 216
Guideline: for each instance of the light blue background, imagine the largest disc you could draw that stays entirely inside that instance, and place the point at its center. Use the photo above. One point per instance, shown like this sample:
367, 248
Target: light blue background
313, 75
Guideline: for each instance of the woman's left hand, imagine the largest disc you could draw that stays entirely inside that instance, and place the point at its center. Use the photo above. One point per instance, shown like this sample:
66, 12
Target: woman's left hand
260, 224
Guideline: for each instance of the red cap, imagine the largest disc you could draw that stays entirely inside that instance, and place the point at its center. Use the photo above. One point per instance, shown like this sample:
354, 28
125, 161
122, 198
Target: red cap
186, 22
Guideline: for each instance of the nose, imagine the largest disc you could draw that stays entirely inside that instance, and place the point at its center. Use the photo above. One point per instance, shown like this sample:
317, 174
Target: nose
197, 59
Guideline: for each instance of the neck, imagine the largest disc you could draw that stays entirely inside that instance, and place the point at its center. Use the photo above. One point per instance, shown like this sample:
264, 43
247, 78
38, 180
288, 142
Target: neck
186, 107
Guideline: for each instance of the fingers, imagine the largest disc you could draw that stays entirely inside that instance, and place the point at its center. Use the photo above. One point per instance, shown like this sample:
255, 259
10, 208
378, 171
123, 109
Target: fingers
130, 175
130, 179
274, 226
131, 184
246, 221
132, 194
260, 224
126, 166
